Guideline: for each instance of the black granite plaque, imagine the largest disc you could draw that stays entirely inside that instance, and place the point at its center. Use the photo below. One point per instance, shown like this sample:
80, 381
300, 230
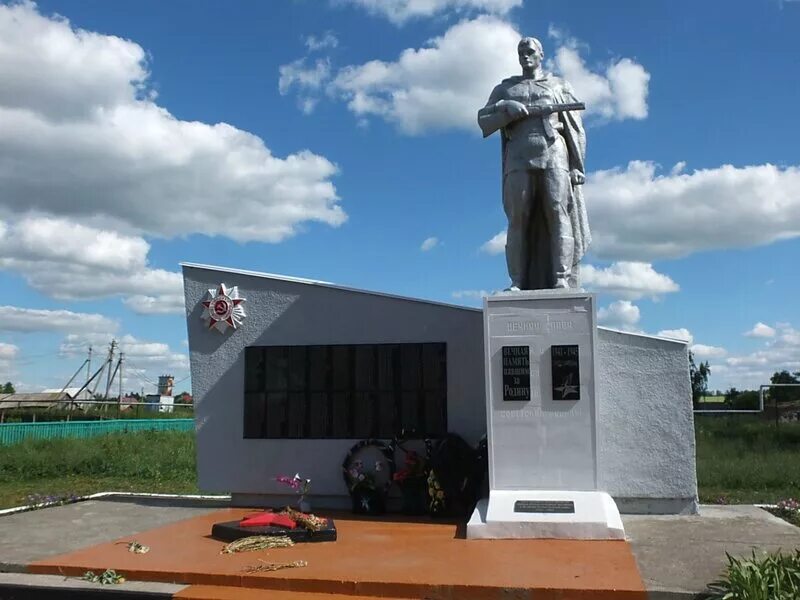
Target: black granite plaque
566, 372
544, 506
516, 374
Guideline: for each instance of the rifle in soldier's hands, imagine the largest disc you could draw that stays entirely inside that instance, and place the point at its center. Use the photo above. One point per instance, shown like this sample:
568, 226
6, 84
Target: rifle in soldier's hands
535, 110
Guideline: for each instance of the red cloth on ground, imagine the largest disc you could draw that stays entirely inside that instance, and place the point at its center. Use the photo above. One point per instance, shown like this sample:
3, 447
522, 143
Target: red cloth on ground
267, 520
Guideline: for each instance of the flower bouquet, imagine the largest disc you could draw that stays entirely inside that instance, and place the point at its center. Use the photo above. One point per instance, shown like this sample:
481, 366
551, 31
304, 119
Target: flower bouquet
301, 486
368, 484
412, 481
368, 497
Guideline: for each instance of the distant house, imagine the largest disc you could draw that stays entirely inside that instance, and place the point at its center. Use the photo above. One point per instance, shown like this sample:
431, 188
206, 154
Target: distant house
183, 398
72, 394
159, 403
128, 402
33, 400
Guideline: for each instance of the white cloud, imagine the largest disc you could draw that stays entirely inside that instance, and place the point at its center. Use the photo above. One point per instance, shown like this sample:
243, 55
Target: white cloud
429, 244
677, 334
143, 360
473, 297
701, 351
29, 320
496, 245
307, 80
166, 304
297, 74
443, 84
400, 11
146, 356
8, 352
67, 242
81, 136
67, 260
621, 314
473, 294
630, 280
748, 371
619, 91
761, 330
323, 42
637, 213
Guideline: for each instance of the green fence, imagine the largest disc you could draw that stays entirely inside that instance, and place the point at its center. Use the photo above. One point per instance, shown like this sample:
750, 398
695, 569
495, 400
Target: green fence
12, 433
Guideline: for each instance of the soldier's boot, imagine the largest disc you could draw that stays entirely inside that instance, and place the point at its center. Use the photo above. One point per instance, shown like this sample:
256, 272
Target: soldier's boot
563, 249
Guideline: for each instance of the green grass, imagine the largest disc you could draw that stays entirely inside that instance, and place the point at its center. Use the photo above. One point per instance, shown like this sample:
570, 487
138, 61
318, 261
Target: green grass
744, 459
145, 461
740, 459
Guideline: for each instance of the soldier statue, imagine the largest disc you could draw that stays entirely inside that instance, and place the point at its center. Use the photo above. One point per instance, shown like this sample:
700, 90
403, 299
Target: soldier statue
544, 146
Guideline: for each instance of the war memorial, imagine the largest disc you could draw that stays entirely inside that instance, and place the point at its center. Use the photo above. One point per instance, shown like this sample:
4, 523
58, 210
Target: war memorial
576, 416
517, 450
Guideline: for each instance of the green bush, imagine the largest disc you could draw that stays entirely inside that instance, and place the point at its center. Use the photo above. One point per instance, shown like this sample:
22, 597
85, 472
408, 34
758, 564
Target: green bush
768, 577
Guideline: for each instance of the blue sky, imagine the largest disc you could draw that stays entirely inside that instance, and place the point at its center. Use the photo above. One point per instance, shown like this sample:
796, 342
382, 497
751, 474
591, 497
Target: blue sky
331, 139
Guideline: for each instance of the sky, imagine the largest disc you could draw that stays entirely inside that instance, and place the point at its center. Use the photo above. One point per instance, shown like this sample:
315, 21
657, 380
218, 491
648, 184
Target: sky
337, 140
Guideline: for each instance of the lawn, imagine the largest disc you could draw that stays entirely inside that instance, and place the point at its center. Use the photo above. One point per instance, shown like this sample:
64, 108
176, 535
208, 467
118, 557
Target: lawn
146, 461
745, 459
739, 459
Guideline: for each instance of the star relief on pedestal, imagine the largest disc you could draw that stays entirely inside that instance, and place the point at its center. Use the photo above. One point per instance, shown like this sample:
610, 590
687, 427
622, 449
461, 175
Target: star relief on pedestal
222, 308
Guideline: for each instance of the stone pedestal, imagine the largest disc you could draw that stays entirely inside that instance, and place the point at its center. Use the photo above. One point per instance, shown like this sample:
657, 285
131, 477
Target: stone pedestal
542, 420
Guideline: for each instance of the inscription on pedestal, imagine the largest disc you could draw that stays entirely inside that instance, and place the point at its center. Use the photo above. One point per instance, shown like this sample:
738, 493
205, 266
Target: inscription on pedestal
544, 506
516, 373
566, 372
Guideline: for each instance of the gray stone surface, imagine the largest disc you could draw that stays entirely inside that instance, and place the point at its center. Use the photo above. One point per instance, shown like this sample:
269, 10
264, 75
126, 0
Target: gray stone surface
683, 554
645, 428
544, 442
30, 536
285, 311
645, 432
146, 588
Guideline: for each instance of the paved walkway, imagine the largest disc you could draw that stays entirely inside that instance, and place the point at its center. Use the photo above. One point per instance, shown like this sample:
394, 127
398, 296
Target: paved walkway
685, 553
676, 555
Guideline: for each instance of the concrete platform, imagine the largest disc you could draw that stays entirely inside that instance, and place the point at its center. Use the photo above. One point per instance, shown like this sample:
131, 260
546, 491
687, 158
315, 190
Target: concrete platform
377, 556
676, 555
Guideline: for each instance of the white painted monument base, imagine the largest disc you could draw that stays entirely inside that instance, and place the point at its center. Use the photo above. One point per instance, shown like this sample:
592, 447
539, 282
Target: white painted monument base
595, 518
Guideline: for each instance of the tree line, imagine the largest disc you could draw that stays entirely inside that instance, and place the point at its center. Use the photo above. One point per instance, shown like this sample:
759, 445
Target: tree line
743, 399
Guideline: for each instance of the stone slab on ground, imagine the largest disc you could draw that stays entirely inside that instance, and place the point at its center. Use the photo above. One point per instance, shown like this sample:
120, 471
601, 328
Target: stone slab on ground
681, 554
30, 536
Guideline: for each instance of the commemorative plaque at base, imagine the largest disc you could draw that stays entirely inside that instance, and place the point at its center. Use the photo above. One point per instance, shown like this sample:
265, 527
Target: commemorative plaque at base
541, 417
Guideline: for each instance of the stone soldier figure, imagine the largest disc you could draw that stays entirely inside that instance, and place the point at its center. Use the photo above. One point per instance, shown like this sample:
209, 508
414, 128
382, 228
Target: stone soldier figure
544, 147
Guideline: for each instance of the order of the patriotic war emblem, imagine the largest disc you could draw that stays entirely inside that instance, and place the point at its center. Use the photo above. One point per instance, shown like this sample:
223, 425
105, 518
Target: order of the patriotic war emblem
222, 308
566, 372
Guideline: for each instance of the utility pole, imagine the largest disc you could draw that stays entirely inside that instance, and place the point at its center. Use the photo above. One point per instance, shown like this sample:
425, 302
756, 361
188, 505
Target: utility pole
89, 364
109, 376
121, 358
